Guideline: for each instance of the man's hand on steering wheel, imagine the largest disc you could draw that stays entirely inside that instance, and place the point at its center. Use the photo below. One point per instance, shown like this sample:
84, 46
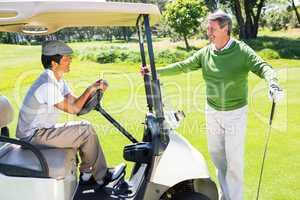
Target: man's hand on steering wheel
96, 93
99, 85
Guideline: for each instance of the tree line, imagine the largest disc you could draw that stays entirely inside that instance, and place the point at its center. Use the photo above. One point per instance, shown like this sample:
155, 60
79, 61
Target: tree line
181, 20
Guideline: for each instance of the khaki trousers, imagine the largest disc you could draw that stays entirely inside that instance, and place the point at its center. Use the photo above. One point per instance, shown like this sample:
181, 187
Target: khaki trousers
225, 137
78, 135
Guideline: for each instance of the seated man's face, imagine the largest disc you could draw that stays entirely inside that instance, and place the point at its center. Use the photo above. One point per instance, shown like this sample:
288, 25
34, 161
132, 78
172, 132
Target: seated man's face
64, 64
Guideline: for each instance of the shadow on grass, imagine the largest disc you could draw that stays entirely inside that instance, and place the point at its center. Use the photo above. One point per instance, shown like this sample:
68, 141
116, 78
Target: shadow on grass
286, 47
192, 48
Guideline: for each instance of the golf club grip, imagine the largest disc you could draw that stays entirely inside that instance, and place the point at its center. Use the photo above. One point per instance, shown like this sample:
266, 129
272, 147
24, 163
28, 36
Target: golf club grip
148, 91
272, 112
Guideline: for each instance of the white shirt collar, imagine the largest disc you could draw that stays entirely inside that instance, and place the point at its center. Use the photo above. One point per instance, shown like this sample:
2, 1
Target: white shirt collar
228, 44
52, 76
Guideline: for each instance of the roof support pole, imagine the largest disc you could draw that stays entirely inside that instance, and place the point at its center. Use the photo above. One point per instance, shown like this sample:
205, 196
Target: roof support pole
156, 92
147, 77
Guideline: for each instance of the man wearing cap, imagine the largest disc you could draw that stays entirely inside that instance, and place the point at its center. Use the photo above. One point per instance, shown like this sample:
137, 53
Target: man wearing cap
225, 64
39, 114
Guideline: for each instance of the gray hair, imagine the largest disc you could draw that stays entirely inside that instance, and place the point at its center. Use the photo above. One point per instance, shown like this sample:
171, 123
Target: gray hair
222, 18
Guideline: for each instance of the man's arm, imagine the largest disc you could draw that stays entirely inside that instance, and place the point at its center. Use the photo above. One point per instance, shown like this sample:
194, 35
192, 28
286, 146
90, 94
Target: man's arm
73, 105
191, 63
70, 97
260, 67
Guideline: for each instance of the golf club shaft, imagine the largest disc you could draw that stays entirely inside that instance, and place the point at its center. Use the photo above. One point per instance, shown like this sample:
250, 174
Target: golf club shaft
265, 150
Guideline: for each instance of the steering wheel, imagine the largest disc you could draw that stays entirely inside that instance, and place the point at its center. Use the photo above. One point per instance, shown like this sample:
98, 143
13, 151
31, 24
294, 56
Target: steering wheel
91, 103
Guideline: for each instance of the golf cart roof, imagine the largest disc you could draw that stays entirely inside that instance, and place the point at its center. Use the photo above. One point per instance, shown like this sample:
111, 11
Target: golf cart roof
44, 16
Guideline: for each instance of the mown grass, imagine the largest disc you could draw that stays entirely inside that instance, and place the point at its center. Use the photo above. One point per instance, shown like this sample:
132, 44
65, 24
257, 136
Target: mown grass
125, 100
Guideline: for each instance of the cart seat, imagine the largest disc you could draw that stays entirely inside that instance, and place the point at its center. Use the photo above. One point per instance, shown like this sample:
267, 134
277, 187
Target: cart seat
61, 162
14, 158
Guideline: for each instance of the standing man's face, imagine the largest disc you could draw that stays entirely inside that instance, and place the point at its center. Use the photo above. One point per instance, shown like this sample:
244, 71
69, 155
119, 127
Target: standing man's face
215, 33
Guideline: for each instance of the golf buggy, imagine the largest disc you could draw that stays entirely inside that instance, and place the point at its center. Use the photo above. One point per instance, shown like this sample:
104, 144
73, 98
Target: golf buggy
166, 166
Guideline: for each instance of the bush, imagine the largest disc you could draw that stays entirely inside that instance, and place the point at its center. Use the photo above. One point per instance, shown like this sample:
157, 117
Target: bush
269, 54
289, 52
134, 57
107, 56
123, 56
181, 55
117, 54
166, 56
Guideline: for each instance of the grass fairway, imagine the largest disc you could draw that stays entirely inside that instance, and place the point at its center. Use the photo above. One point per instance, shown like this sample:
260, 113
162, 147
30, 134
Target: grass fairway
125, 100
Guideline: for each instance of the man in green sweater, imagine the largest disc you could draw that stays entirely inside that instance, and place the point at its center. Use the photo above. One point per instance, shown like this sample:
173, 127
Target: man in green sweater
225, 65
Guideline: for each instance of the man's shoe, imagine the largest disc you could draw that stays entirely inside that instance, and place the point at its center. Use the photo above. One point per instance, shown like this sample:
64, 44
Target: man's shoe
113, 174
90, 182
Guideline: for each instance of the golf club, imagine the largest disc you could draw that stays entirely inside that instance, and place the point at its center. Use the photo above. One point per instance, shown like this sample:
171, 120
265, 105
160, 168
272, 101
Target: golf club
266, 148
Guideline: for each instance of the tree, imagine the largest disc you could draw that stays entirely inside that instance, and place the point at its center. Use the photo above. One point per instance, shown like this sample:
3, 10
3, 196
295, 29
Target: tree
248, 20
183, 17
291, 5
247, 13
212, 5
276, 20
296, 10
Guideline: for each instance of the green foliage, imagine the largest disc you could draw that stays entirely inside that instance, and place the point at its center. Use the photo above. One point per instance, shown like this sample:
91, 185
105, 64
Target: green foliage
183, 16
107, 56
274, 47
170, 56
290, 52
279, 15
269, 54
125, 55
276, 20
72, 34
163, 29
133, 57
166, 56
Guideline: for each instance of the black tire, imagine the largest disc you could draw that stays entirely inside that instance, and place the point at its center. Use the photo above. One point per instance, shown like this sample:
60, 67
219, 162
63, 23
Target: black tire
190, 196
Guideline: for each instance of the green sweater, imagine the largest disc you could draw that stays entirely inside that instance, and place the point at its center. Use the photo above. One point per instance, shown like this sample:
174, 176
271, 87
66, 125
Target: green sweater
225, 73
